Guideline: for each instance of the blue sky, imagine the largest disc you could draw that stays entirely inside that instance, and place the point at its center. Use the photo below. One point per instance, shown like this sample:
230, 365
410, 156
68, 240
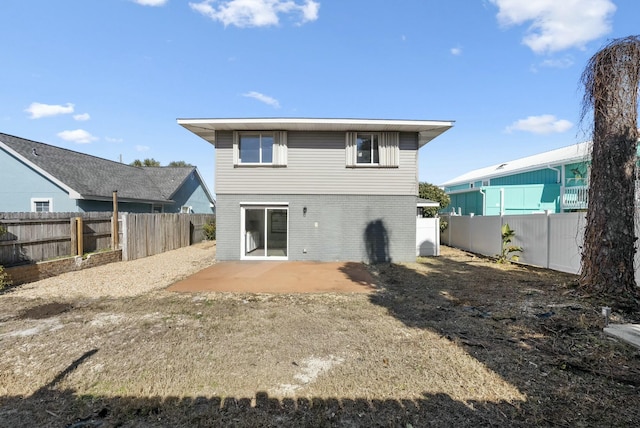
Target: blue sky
110, 78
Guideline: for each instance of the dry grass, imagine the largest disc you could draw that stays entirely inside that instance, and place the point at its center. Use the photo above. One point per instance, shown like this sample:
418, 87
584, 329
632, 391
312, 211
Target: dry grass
449, 341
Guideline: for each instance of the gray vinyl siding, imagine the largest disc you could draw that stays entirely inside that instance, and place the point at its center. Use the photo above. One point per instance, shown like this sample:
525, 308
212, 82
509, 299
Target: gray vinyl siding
316, 165
348, 226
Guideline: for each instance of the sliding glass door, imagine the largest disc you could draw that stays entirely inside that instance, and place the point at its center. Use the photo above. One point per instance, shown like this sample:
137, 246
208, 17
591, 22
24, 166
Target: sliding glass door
265, 232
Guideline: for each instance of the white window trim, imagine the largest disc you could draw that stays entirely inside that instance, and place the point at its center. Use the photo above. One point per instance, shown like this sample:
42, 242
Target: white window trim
265, 206
279, 149
186, 209
35, 200
388, 150
370, 135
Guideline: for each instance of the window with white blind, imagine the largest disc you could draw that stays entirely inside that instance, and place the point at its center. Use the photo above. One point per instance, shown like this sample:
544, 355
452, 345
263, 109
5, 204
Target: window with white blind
41, 205
372, 149
260, 148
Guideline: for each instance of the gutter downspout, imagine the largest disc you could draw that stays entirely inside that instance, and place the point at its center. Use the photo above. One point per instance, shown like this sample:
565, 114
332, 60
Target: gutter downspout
558, 171
559, 180
501, 202
484, 201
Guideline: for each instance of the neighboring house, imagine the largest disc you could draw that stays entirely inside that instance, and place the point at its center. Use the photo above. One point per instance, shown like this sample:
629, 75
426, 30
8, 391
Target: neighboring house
41, 177
555, 181
316, 189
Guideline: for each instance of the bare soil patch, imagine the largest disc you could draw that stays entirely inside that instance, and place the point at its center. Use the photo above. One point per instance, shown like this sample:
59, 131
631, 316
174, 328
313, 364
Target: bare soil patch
451, 341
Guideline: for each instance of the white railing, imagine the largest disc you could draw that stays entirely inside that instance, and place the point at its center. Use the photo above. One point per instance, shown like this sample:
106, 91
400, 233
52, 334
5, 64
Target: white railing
574, 198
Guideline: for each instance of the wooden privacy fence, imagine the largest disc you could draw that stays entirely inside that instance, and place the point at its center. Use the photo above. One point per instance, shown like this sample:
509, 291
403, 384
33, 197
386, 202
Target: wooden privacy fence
34, 237
144, 235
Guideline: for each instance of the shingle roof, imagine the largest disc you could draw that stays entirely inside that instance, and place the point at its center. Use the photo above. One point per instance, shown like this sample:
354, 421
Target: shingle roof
169, 178
97, 178
574, 153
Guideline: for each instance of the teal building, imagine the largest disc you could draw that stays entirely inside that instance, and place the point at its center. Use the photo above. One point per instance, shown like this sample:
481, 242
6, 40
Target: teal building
554, 181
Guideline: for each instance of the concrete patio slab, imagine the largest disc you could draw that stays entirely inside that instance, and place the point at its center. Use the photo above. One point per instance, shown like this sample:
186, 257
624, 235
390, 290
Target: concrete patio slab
280, 277
629, 333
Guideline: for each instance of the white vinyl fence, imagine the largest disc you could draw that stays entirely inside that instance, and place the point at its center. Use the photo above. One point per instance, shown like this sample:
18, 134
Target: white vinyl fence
551, 241
427, 237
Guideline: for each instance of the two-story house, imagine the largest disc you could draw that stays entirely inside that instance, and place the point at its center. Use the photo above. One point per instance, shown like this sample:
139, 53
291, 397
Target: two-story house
316, 189
555, 181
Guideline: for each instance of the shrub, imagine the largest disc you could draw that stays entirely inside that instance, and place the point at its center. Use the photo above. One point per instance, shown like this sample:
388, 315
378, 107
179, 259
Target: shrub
507, 256
4, 278
209, 230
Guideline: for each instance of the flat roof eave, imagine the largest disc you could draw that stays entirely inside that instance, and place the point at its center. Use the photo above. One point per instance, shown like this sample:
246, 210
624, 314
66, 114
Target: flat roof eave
206, 128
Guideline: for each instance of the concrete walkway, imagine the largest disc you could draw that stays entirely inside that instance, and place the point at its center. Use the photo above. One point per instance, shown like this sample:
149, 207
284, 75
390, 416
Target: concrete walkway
629, 333
280, 277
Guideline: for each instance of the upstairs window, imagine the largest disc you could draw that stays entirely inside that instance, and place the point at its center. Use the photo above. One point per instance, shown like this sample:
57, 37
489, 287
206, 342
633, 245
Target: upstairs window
372, 149
256, 148
367, 149
260, 148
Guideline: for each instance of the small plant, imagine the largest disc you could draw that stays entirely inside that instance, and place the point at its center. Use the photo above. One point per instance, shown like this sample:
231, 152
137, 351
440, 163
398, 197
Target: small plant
506, 255
209, 230
4, 276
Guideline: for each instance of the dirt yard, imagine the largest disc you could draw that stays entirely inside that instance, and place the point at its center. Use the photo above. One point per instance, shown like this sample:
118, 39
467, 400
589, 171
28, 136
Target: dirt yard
451, 341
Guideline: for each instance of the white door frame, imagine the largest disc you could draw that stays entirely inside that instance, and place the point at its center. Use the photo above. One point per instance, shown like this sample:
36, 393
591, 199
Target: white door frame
266, 206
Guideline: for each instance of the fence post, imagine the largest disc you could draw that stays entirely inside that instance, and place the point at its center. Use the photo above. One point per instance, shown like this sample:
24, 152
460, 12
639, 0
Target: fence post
80, 236
125, 241
114, 231
548, 213
73, 228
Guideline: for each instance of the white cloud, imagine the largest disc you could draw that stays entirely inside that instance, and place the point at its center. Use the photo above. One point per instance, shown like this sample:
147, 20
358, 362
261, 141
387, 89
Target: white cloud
543, 124
557, 63
263, 98
565, 62
79, 136
113, 140
151, 2
456, 51
38, 110
140, 148
82, 117
256, 13
557, 24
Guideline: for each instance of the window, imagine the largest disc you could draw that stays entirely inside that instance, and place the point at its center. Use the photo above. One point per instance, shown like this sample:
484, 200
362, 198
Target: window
367, 149
256, 148
186, 209
41, 205
372, 149
260, 148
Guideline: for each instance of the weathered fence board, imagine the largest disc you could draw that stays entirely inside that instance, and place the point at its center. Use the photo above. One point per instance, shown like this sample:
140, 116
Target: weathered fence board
33, 237
144, 235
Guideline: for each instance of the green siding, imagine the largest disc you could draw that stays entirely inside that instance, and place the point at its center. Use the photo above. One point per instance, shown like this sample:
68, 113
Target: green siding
468, 202
540, 176
576, 174
525, 199
456, 188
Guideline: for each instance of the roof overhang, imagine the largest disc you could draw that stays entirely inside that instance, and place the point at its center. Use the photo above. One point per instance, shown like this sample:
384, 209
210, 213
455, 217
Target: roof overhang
426, 203
426, 129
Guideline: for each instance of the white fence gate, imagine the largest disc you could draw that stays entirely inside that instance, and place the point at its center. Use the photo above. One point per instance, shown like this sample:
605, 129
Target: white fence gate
427, 237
